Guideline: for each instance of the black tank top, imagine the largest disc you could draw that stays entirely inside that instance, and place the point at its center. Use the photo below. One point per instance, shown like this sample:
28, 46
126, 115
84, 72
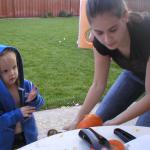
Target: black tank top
139, 30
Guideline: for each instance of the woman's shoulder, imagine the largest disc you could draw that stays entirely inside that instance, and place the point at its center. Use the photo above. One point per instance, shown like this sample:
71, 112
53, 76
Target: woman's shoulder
139, 27
139, 24
139, 18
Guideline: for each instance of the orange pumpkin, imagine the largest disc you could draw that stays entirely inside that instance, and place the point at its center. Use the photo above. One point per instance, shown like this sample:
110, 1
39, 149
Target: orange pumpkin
90, 120
116, 145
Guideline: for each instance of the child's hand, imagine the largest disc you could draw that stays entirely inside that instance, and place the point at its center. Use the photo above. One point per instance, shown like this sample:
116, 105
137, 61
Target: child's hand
32, 95
27, 111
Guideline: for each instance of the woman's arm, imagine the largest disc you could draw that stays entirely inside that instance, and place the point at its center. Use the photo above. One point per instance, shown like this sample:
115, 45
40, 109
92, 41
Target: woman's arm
101, 64
139, 107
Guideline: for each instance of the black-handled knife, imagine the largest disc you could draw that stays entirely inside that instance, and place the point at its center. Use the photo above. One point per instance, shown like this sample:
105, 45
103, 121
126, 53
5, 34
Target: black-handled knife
96, 140
123, 135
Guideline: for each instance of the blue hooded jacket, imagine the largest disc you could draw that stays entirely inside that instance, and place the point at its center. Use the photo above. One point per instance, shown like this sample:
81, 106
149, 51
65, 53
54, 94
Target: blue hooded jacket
10, 114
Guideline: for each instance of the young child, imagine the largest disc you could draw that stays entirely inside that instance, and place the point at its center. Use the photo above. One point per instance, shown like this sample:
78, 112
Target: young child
18, 100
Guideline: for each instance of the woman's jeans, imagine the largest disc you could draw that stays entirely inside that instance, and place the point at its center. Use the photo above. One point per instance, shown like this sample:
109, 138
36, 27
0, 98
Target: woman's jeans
126, 89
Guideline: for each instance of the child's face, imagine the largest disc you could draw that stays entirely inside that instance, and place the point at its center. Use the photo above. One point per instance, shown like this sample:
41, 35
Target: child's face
8, 68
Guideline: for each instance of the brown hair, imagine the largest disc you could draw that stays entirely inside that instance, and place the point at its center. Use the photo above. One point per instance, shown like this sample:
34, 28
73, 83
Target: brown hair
99, 7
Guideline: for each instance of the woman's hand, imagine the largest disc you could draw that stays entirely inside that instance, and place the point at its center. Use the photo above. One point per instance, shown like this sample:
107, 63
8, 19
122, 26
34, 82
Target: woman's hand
71, 126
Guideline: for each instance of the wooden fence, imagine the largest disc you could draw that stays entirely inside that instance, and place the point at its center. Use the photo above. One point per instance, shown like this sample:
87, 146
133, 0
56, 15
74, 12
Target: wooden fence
139, 5
38, 8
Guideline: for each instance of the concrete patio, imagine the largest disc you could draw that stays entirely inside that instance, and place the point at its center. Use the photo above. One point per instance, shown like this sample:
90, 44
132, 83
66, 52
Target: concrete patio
58, 118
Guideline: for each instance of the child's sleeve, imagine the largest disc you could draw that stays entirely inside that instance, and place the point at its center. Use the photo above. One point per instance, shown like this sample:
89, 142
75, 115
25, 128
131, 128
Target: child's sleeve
38, 101
9, 119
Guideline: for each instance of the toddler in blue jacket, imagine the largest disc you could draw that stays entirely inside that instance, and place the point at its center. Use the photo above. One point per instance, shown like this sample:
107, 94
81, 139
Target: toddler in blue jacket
18, 100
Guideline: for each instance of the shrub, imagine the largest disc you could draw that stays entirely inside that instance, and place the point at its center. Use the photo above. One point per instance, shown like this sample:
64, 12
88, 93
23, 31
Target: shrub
47, 14
63, 13
50, 14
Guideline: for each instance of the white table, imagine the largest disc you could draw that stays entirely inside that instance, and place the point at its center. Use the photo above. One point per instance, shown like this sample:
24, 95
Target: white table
71, 141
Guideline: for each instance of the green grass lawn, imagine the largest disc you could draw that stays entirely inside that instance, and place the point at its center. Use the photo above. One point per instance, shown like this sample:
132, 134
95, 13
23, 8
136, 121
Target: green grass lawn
61, 71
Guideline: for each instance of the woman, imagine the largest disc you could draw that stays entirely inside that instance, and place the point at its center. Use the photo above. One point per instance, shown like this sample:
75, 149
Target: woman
124, 37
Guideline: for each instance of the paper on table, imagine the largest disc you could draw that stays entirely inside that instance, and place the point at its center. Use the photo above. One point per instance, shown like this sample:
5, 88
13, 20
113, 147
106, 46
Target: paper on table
141, 143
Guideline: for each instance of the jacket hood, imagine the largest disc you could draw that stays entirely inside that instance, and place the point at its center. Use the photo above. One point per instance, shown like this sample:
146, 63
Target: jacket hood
19, 62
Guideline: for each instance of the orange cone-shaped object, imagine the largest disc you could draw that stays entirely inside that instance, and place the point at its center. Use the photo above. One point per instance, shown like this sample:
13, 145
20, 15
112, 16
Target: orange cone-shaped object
83, 37
90, 120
